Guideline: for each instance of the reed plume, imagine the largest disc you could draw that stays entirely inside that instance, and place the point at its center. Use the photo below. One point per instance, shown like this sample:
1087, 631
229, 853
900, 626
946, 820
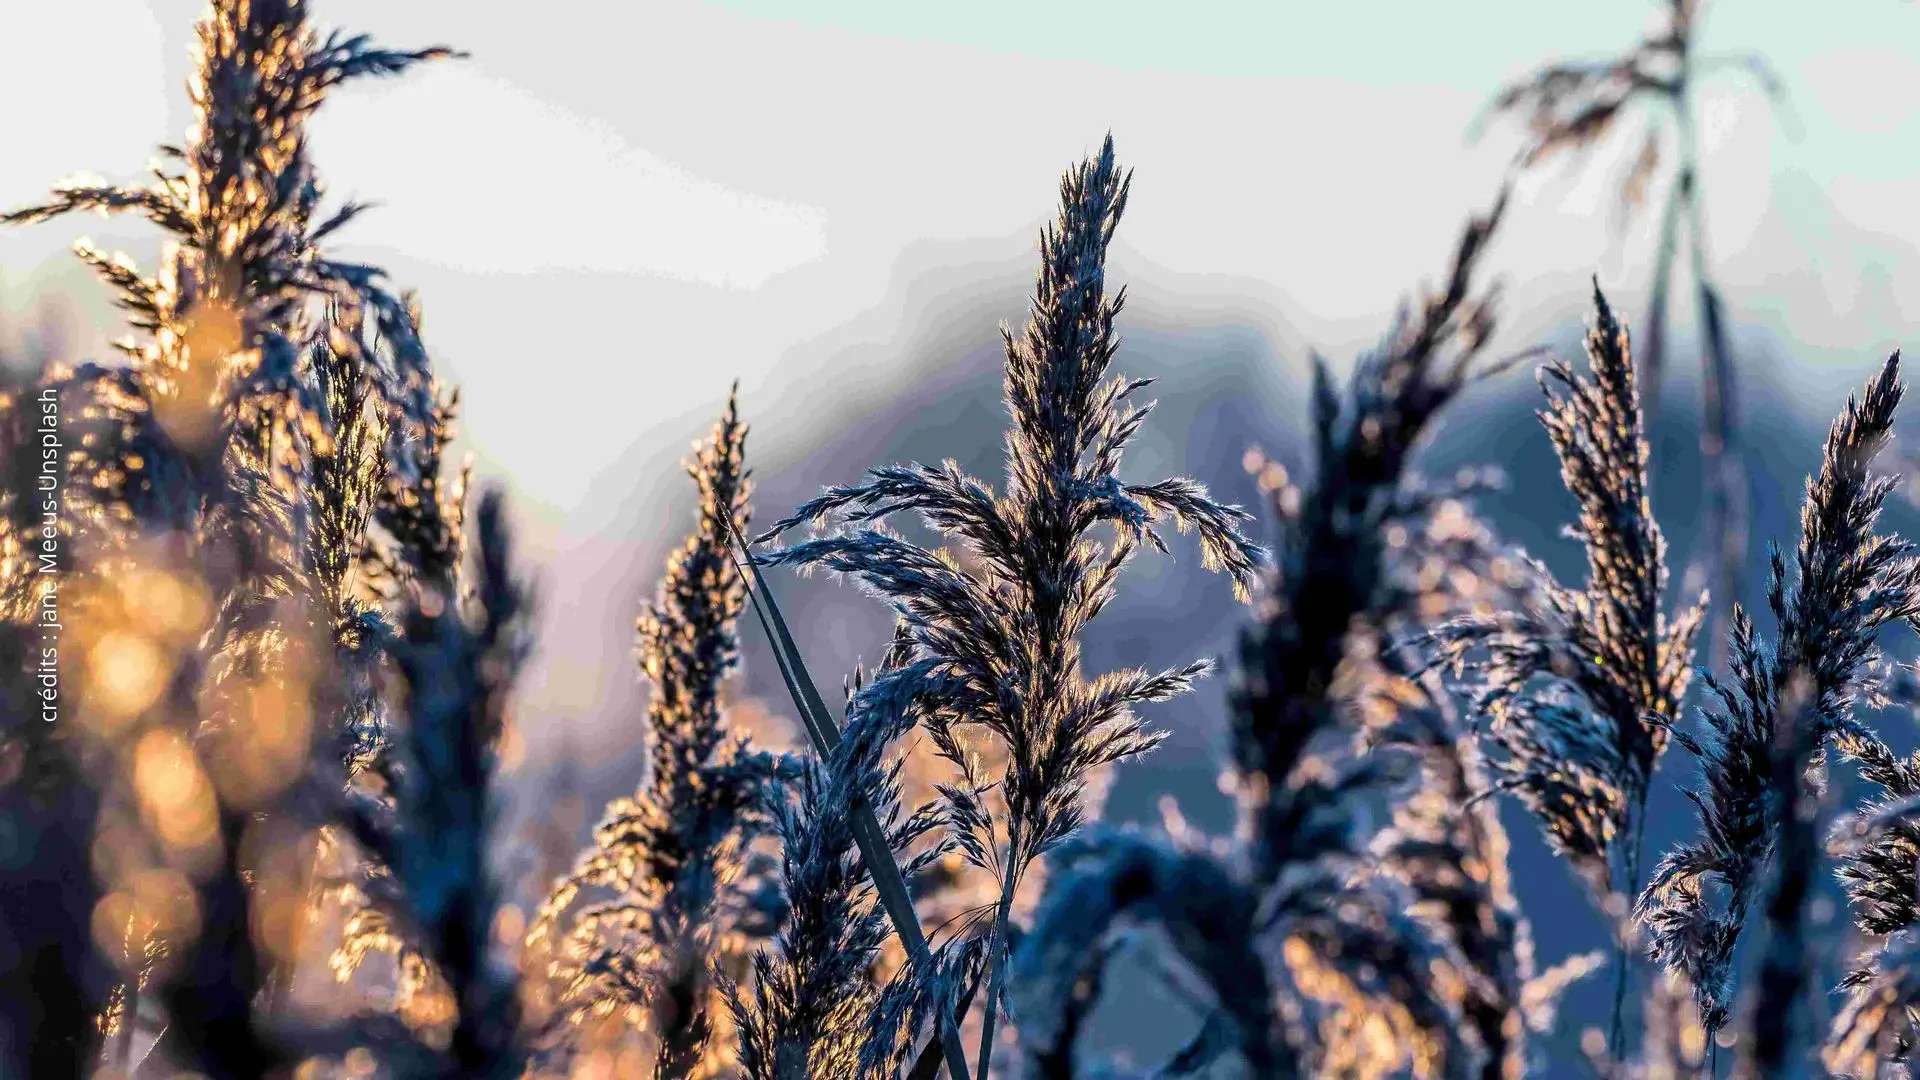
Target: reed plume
1571, 109
1004, 629
207, 443
458, 656
670, 859
1848, 582
813, 998
1299, 951
1578, 685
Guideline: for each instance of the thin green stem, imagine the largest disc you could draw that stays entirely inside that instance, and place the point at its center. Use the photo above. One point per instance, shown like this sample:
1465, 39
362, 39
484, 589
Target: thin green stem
1623, 930
1653, 351
996, 970
1722, 540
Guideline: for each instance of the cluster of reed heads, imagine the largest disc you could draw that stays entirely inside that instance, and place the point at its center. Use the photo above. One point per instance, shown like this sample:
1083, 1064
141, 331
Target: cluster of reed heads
290, 651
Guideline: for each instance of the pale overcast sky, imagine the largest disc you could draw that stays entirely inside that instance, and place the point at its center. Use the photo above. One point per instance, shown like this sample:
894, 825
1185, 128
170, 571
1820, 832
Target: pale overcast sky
652, 198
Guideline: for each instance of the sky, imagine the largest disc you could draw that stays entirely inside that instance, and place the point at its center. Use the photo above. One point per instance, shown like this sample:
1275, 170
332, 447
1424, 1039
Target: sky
652, 199
613, 211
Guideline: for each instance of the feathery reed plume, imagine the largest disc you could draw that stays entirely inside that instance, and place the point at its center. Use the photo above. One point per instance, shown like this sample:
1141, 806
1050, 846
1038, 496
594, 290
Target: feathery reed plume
1579, 684
347, 479
1285, 932
1848, 582
209, 435
1687, 934
1338, 550
1877, 851
1448, 848
1006, 631
672, 855
1570, 109
412, 557
1353, 543
912, 1000
459, 661
925, 967
242, 203
813, 999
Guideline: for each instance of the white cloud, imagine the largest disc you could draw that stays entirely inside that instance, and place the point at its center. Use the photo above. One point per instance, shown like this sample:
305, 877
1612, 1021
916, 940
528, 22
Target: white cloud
472, 172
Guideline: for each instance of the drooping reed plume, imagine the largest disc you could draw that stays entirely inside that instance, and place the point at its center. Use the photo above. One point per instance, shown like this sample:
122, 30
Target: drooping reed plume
814, 999
1312, 965
1573, 108
1848, 582
670, 859
1004, 629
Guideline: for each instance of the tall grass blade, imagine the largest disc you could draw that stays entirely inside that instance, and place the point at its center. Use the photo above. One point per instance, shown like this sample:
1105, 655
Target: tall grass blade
824, 733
